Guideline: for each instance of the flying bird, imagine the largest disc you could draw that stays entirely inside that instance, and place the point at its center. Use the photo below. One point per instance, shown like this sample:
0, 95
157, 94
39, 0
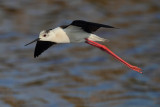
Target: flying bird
76, 32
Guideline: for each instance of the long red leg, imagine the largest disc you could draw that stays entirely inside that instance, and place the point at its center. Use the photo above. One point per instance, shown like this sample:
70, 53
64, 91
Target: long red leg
104, 48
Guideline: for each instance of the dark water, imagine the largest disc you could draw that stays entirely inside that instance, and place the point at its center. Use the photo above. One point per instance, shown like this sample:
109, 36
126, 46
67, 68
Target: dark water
79, 75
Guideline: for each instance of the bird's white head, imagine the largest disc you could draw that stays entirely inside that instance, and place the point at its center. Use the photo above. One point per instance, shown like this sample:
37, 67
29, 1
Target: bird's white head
56, 35
47, 35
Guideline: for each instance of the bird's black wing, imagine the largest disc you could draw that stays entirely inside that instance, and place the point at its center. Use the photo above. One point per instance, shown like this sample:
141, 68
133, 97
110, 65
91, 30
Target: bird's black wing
89, 26
41, 46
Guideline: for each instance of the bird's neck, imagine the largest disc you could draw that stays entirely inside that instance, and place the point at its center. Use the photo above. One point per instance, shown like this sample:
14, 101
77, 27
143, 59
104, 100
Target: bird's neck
60, 36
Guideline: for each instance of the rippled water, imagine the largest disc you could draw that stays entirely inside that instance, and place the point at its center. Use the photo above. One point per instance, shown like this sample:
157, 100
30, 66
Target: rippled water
79, 75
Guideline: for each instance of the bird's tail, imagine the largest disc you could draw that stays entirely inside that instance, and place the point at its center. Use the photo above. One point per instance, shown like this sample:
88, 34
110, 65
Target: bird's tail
97, 38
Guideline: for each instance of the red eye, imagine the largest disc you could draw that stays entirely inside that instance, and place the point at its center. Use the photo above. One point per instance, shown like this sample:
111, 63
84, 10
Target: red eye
44, 35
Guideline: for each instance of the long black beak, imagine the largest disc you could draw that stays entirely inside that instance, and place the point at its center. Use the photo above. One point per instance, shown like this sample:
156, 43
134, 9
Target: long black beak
33, 41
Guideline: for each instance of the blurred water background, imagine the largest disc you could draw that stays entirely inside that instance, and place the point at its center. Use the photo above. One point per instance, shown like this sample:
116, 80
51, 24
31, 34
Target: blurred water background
79, 75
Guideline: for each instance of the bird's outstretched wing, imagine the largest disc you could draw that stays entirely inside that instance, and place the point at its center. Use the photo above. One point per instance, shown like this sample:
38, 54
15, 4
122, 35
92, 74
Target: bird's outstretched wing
89, 26
41, 46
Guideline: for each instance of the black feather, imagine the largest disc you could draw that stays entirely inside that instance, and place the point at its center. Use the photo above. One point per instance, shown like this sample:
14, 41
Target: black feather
41, 46
89, 26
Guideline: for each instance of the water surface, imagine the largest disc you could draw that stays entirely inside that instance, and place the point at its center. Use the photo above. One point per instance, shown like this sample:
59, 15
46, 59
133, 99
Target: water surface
79, 75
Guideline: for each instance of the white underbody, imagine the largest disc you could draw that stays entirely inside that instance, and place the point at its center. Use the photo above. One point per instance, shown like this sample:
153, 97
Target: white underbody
71, 34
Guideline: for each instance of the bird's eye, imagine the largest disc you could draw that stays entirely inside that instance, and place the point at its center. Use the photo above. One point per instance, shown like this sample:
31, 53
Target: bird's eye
44, 35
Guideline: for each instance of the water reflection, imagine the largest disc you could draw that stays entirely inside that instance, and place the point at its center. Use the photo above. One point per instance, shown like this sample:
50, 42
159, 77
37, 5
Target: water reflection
77, 74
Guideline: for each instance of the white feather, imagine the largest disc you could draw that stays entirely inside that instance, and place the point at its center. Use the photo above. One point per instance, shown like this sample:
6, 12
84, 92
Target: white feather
71, 34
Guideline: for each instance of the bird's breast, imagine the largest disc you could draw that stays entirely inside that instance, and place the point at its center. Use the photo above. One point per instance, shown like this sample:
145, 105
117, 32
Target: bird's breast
61, 36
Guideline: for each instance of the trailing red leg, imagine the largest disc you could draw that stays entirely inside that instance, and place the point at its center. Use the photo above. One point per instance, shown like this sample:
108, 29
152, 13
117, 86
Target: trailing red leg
104, 48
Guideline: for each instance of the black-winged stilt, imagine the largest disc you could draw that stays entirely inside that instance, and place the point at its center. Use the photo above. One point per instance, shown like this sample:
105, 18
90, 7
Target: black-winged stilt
77, 31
